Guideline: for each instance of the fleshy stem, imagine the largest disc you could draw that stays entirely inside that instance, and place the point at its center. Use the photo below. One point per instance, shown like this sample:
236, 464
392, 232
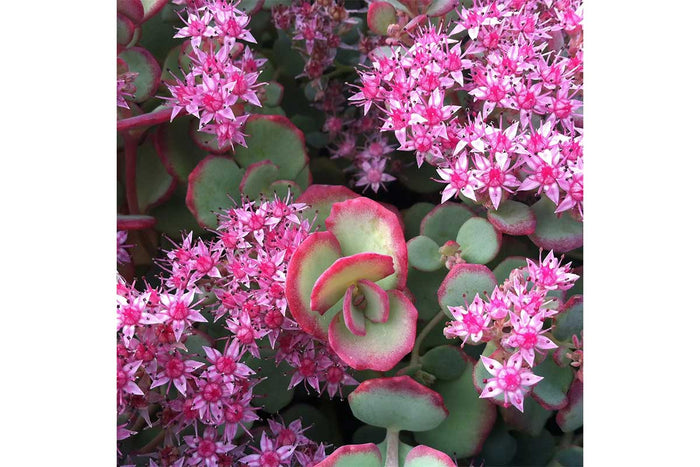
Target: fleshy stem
392, 448
440, 316
132, 199
145, 120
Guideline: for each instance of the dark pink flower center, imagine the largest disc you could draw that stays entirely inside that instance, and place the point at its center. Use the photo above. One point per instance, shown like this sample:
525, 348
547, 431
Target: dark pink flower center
179, 311
269, 459
245, 334
233, 413
131, 316
511, 380
334, 375
225, 365
206, 448
307, 367
212, 392
174, 368
274, 319
286, 437
212, 101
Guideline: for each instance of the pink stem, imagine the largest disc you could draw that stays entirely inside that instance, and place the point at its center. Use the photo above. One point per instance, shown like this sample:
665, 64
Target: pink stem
145, 120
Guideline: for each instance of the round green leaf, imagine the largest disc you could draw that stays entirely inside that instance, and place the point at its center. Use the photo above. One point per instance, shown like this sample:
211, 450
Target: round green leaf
154, 185
151, 7
441, 7
397, 403
176, 149
570, 418
570, 320
413, 216
213, 185
258, 178
273, 94
445, 362
560, 234
424, 456
442, 223
273, 392
424, 254
142, 62
551, 391
462, 284
354, 455
531, 420
423, 286
569, 457
125, 29
207, 141
320, 199
470, 418
478, 240
379, 16
384, 344
513, 218
273, 138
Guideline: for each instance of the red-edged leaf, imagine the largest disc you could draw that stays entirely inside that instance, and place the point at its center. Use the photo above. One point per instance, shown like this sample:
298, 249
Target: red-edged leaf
154, 185
377, 309
462, 283
441, 7
470, 418
142, 62
310, 260
354, 455
321, 198
397, 403
179, 154
384, 344
570, 418
125, 29
258, 178
211, 186
379, 16
274, 138
443, 222
353, 316
560, 234
362, 225
132, 9
331, 285
424, 456
513, 218
151, 7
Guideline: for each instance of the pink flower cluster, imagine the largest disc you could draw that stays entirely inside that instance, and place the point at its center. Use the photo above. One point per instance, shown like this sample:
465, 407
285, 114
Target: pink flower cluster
167, 356
439, 97
513, 318
222, 75
316, 28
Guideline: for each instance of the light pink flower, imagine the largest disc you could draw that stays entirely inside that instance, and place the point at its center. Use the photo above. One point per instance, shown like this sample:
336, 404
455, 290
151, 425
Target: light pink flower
511, 380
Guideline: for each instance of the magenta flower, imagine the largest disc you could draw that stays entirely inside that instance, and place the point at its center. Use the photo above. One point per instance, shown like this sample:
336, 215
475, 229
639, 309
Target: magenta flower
269, 455
469, 324
511, 380
205, 450
178, 311
176, 371
550, 274
527, 336
372, 175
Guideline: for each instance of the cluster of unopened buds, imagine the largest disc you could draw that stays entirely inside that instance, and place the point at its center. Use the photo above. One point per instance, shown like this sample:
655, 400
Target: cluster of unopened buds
223, 73
513, 318
316, 28
495, 112
169, 360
